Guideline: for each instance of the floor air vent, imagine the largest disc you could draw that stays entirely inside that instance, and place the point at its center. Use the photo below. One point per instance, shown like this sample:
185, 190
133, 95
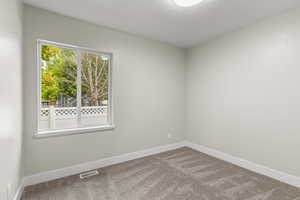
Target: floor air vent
89, 174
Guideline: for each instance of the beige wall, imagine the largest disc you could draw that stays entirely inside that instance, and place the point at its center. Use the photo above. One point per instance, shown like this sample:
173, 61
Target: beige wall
243, 94
10, 96
148, 87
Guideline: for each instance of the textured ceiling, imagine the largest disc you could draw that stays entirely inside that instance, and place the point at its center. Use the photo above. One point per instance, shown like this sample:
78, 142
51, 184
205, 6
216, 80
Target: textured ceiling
164, 21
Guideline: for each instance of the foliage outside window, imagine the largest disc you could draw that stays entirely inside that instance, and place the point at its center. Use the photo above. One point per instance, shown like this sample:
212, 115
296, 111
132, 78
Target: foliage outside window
74, 88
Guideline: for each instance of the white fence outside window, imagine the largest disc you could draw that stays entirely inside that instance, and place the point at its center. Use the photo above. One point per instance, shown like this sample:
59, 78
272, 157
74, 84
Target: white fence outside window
67, 117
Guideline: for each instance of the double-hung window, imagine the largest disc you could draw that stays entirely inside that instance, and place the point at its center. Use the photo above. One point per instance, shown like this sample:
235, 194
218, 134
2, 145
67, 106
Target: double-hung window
74, 89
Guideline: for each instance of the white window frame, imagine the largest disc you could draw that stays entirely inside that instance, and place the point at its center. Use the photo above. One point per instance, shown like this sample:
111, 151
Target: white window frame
52, 133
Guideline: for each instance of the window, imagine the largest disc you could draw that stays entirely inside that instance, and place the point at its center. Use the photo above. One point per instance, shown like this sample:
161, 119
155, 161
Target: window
74, 90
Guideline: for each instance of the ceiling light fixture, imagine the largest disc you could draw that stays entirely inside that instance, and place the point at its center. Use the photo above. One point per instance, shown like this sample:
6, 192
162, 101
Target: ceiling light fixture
187, 3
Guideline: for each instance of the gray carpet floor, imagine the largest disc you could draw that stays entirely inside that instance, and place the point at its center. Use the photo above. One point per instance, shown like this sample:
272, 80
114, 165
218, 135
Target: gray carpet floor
182, 174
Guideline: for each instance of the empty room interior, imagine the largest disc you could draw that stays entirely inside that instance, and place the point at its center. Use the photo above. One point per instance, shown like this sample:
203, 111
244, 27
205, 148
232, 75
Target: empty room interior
150, 100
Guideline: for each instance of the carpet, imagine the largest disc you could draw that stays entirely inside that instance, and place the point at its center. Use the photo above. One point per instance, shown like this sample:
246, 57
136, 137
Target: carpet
182, 174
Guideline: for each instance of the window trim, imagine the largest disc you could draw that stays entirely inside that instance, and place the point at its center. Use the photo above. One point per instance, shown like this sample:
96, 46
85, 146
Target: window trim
63, 132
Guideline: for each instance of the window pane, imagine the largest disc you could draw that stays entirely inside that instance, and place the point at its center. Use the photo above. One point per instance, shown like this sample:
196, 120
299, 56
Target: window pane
94, 89
74, 89
58, 88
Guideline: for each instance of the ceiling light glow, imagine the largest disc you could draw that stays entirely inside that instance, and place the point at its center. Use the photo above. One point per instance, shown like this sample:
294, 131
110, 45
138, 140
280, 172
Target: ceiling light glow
187, 3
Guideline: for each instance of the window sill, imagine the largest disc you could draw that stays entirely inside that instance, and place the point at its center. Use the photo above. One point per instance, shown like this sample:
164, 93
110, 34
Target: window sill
58, 133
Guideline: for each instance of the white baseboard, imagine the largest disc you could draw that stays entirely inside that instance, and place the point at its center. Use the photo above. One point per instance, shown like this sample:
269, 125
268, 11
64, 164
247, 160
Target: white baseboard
19, 191
69, 171
260, 169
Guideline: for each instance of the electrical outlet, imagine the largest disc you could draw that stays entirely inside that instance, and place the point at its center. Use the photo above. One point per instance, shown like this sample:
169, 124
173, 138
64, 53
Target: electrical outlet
170, 135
